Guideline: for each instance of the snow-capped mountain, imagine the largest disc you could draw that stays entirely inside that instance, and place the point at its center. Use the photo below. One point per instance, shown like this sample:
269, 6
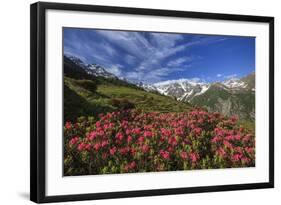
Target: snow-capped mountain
148, 87
231, 97
188, 89
76, 61
98, 70
234, 83
242, 84
92, 69
182, 89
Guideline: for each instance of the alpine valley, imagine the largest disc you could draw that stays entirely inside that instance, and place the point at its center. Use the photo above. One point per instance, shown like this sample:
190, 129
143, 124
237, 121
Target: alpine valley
90, 88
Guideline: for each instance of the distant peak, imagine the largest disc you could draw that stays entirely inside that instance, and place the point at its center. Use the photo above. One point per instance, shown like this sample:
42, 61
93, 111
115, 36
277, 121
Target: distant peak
182, 80
92, 69
73, 58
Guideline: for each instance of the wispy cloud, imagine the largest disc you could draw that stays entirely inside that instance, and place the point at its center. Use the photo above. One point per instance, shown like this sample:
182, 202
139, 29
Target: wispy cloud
115, 69
227, 77
179, 61
137, 56
230, 76
145, 54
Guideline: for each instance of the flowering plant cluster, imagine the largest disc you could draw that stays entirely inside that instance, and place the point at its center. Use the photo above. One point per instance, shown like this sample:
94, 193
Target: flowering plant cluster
135, 141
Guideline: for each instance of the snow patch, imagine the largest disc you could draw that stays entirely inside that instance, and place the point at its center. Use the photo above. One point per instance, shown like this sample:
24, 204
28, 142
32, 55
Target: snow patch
203, 90
234, 83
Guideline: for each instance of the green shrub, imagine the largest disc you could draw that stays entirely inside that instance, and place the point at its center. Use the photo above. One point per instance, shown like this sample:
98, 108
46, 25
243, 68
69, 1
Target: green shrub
122, 103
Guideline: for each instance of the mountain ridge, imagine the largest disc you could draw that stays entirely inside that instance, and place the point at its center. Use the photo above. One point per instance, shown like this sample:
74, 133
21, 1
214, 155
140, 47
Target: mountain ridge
89, 95
187, 89
235, 96
91, 69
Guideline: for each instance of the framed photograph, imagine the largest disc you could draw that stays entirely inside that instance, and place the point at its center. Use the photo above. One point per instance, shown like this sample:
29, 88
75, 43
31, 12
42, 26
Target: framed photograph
129, 102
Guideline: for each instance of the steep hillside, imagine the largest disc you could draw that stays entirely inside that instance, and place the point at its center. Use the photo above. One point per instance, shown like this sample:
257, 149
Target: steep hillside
89, 97
220, 99
250, 81
91, 93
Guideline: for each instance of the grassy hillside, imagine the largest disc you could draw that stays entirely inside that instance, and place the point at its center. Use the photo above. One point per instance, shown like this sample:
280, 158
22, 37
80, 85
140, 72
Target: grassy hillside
216, 98
210, 97
90, 97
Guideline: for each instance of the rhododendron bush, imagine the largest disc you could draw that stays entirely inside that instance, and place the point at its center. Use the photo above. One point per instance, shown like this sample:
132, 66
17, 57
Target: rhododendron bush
134, 141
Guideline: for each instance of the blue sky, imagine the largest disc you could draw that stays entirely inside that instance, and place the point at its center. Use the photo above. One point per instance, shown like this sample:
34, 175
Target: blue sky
154, 57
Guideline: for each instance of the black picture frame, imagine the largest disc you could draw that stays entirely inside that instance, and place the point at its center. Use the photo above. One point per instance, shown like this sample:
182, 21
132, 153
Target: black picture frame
38, 101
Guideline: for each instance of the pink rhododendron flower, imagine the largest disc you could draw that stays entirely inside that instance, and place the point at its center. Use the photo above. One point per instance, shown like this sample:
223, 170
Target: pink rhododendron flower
68, 125
227, 144
194, 157
136, 131
247, 138
237, 137
234, 118
104, 143
250, 150
141, 139
230, 137
245, 160
104, 156
124, 150
113, 150
133, 165
147, 134
98, 124
221, 152
145, 148
81, 146
135, 140
92, 135
183, 155
87, 147
197, 130
129, 139
172, 141
74, 140
215, 139
236, 157
164, 154
97, 146
119, 136
128, 132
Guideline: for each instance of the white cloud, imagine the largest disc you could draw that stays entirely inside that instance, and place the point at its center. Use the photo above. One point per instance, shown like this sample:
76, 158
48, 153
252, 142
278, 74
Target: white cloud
109, 50
132, 42
219, 75
178, 61
149, 53
165, 40
115, 69
144, 54
231, 76
192, 80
